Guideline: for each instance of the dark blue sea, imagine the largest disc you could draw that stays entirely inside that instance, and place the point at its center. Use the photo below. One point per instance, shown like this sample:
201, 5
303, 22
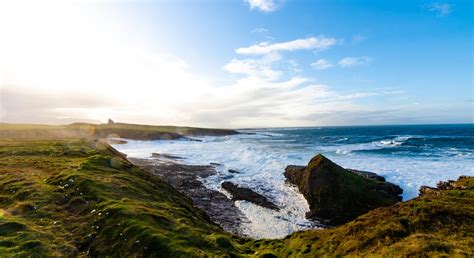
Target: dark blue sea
408, 155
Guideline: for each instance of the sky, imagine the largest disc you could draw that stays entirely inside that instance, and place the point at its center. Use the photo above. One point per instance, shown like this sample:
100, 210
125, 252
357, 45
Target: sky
237, 63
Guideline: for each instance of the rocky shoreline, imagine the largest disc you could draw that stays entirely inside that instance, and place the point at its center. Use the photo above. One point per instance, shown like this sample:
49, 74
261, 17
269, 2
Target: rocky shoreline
187, 180
335, 195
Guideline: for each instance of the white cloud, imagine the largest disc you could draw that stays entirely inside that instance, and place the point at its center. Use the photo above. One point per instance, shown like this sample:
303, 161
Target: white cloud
260, 30
322, 64
358, 38
262, 5
354, 61
255, 67
263, 32
442, 9
89, 68
312, 43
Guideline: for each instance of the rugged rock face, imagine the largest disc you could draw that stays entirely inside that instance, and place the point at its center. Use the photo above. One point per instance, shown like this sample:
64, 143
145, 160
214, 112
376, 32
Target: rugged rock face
442, 185
336, 195
241, 193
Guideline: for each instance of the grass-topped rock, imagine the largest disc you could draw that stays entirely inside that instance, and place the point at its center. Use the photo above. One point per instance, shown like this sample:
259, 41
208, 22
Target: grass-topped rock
336, 195
432, 225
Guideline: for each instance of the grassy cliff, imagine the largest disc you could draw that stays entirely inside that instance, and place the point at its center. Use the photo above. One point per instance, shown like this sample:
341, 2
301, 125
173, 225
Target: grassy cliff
114, 130
80, 197
77, 197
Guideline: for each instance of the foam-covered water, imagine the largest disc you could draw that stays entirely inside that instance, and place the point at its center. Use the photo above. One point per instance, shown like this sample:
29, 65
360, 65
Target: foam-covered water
409, 156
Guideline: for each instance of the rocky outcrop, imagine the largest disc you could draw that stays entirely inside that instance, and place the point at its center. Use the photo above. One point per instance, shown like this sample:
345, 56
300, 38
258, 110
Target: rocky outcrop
165, 156
443, 185
244, 194
337, 195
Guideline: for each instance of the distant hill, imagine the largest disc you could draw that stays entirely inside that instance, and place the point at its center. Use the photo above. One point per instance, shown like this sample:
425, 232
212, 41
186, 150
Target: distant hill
109, 130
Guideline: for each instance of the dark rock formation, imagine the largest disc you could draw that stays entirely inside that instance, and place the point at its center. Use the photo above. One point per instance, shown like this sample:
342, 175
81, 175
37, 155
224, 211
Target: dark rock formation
233, 171
110, 121
336, 195
368, 175
165, 156
245, 194
186, 179
193, 139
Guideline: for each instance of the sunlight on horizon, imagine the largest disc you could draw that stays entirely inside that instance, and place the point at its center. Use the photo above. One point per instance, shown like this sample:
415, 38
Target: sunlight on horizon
66, 61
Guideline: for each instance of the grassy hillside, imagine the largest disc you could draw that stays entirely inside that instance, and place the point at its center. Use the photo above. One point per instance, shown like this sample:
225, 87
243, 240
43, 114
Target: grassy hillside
115, 130
75, 197
81, 197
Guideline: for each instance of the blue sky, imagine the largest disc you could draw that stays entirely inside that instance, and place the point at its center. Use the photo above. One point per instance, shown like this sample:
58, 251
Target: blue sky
255, 63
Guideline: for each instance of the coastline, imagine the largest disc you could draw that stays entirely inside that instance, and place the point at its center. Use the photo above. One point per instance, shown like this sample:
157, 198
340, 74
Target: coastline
187, 180
121, 209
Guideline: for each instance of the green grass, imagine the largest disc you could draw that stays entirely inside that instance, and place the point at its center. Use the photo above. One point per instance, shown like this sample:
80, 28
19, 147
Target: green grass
78, 197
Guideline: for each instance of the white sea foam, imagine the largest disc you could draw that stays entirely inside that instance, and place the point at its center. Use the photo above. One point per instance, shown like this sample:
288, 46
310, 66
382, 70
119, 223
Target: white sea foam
394, 142
262, 163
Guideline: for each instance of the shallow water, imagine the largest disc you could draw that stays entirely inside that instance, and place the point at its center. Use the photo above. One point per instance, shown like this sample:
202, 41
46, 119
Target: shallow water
409, 156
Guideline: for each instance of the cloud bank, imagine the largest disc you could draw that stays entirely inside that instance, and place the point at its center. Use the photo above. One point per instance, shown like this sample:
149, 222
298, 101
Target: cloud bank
85, 68
312, 43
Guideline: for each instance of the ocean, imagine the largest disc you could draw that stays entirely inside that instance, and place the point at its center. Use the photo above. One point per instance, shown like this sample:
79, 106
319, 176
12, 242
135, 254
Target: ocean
408, 155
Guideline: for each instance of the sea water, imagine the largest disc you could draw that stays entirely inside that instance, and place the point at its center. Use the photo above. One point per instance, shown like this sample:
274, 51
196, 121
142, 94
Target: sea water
409, 156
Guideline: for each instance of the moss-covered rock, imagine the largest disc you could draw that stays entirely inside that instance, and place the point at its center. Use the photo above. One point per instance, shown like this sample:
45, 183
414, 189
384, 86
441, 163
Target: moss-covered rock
428, 226
336, 195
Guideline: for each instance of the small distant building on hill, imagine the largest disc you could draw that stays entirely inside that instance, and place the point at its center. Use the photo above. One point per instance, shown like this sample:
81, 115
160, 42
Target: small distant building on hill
110, 121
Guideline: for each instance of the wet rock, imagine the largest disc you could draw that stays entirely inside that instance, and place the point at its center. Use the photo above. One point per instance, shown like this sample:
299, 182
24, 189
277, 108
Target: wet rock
336, 195
368, 175
186, 179
234, 171
244, 194
193, 139
165, 156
